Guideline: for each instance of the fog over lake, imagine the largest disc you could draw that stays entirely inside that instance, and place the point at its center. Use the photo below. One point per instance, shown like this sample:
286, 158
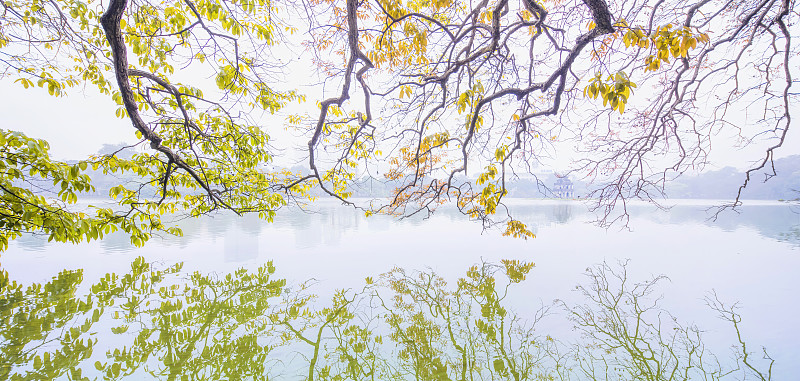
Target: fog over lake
751, 257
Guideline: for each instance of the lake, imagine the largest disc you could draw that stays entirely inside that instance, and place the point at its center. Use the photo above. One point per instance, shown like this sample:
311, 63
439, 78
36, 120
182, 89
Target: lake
750, 257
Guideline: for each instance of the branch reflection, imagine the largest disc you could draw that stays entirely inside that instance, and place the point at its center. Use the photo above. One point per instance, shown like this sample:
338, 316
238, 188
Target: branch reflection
158, 321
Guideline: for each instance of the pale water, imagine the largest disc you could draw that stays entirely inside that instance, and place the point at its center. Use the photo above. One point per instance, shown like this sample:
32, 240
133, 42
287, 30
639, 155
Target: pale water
751, 257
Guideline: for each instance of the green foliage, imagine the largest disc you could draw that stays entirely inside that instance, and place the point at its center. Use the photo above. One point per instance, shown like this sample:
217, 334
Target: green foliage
459, 333
219, 154
45, 329
207, 328
26, 169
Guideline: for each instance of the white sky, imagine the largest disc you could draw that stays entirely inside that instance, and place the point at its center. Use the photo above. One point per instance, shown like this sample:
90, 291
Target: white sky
75, 126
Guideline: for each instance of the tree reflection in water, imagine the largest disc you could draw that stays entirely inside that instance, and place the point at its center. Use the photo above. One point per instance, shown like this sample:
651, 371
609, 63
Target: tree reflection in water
403, 325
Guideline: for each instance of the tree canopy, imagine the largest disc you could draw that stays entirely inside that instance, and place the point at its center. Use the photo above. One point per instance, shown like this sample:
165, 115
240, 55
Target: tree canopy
444, 101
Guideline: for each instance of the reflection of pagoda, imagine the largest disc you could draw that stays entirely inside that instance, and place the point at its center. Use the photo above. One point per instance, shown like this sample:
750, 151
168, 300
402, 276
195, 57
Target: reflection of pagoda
563, 188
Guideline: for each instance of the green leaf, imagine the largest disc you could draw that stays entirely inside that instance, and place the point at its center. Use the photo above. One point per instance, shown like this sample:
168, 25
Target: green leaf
499, 365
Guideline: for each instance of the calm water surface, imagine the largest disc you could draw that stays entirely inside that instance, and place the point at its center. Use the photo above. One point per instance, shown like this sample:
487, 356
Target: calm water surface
751, 257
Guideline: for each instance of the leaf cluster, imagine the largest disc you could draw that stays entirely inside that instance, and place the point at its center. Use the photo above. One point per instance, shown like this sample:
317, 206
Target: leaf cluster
37, 192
